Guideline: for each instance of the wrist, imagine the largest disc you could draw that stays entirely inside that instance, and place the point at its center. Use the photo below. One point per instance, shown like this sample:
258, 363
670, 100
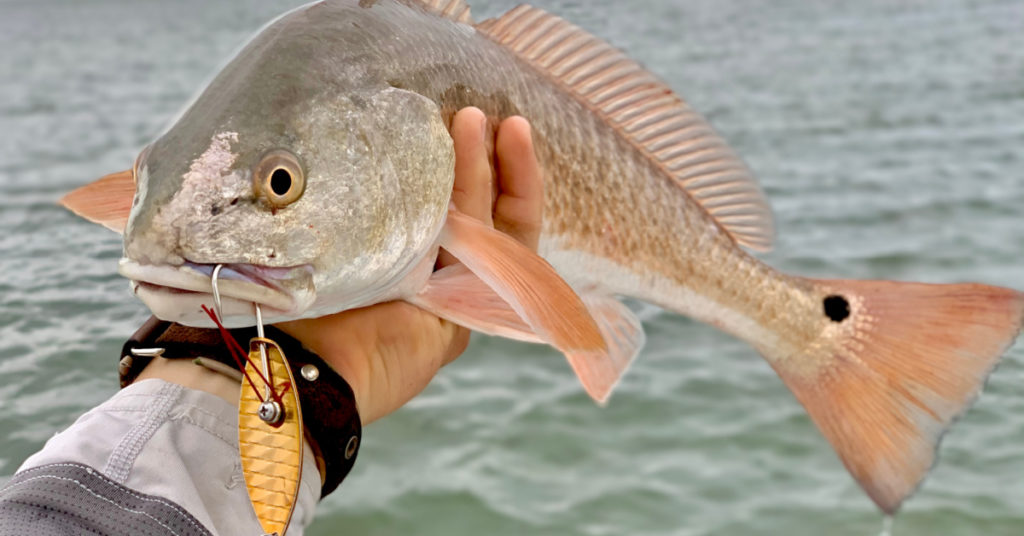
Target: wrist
332, 424
196, 374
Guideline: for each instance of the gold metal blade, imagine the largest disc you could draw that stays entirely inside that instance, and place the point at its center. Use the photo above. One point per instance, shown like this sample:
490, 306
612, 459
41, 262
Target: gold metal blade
271, 454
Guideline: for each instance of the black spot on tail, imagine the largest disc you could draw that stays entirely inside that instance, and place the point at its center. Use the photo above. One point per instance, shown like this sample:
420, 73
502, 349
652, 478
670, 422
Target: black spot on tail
837, 308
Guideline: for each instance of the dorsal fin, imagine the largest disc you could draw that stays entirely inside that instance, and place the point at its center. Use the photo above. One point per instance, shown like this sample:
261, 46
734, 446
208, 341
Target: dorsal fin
457, 10
646, 112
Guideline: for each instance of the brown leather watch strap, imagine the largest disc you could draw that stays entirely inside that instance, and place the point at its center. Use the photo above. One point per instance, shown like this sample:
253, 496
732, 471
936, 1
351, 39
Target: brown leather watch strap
328, 404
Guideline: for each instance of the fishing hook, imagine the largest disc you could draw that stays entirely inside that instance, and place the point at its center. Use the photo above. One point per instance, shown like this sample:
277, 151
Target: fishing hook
216, 291
264, 360
270, 409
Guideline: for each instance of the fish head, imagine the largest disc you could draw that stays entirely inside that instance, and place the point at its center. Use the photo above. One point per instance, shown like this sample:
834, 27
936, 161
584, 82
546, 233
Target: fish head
317, 192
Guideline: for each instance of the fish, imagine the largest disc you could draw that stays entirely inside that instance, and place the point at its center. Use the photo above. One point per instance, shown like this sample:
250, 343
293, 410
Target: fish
317, 168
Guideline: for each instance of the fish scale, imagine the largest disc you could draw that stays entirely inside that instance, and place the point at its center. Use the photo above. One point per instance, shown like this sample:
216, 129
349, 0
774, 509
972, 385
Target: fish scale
593, 233
642, 199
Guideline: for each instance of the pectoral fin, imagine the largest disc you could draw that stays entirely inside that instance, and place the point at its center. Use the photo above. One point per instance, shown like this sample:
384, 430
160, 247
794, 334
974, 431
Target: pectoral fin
507, 290
456, 294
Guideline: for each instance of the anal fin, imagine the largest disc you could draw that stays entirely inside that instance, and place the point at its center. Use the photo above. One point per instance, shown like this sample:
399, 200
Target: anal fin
621, 329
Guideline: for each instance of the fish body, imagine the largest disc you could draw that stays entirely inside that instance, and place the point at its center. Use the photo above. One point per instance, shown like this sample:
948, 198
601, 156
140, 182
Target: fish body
642, 199
342, 65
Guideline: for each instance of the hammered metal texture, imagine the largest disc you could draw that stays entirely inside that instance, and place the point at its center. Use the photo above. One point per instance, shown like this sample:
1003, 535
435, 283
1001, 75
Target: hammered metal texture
271, 455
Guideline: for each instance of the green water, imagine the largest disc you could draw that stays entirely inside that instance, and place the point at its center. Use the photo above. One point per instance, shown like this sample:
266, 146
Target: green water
889, 136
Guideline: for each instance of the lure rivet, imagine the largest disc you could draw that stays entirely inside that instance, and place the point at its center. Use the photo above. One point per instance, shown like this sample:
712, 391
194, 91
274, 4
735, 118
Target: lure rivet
270, 412
350, 448
310, 372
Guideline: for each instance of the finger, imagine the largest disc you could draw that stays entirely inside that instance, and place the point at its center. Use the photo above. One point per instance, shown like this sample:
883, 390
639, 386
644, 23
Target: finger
472, 192
457, 342
519, 208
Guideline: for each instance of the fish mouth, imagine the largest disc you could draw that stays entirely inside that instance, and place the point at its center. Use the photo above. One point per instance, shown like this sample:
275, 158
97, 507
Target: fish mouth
178, 292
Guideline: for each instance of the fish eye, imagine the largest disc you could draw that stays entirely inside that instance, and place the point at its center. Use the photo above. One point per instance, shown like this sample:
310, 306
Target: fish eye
279, 179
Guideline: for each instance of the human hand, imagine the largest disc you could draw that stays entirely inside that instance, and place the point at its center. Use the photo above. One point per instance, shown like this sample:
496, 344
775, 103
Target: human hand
389, 352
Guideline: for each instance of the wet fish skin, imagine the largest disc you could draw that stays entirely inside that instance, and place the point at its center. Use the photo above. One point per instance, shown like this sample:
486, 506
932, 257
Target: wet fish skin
367, 214
337, 58
613, 221
881, 388
361, 91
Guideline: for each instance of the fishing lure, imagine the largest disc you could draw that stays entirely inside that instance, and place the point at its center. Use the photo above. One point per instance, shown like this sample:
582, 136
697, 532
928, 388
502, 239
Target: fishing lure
270, 428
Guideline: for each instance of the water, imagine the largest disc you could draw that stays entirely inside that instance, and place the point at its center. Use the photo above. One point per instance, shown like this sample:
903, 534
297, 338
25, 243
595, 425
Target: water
886, 526
888, 134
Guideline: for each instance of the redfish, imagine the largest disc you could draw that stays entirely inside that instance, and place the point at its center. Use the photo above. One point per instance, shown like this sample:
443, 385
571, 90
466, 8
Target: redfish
317, 168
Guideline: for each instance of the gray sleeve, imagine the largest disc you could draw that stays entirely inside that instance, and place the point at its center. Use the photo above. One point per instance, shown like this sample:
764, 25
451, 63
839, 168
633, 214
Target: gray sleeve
70, 498
160, 441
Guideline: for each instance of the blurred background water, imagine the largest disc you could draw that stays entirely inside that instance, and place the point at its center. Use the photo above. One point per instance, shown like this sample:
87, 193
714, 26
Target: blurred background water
890, 138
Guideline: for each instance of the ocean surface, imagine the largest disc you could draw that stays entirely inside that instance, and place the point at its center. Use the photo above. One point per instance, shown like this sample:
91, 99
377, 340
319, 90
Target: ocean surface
889, 135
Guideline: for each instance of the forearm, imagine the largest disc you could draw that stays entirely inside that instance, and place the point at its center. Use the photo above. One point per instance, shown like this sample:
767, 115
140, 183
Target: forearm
154, 454
170, 437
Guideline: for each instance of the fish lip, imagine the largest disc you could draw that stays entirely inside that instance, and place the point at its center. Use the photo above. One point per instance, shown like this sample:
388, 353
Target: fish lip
278, 288
268, 276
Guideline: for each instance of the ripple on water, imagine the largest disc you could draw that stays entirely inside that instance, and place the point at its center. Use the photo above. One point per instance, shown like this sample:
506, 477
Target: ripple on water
887, 134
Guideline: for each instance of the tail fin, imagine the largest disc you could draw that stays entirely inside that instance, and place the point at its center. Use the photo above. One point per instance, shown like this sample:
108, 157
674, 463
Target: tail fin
897, 364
